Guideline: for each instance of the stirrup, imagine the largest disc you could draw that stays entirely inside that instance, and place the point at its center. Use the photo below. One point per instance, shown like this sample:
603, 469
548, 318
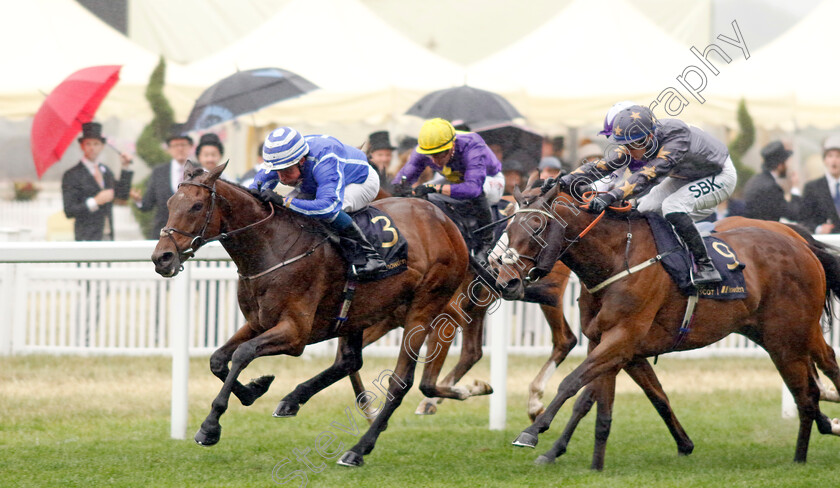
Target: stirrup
706, 274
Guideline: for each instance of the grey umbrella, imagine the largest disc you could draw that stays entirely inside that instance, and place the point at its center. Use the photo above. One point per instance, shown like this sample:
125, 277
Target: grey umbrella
245, 92
464, 105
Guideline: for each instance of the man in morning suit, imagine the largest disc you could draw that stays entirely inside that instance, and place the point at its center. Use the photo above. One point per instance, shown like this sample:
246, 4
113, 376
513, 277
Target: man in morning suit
821, 197
90, 188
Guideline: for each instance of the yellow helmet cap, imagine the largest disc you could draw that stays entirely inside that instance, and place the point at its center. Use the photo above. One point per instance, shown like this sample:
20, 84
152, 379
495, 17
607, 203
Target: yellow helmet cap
436, 135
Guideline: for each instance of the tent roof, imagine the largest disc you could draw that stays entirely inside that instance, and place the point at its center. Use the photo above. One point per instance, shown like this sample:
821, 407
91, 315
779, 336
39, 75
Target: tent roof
348, 51
590, 48
792, 80
57, 38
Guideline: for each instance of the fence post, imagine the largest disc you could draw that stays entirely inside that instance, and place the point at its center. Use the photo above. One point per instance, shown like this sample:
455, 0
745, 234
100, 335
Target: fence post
497, 323
179, 333
7, 304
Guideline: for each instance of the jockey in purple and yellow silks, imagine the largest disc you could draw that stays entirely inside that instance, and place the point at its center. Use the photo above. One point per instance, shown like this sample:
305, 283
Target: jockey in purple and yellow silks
466, 170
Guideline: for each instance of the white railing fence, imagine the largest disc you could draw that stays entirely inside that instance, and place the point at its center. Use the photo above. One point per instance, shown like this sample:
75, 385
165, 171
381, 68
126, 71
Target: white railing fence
105, 298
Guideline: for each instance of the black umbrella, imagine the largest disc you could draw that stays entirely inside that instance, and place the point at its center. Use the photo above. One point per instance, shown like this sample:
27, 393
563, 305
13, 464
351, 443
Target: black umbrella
245, 92
466, 105
518, 142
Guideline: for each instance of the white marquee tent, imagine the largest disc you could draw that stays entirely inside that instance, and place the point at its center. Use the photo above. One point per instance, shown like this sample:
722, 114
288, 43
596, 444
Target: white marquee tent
592, 54
366, 70
47, 40
792, 82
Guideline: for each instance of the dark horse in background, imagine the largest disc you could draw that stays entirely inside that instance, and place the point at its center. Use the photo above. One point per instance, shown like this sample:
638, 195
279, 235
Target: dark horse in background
639, 315
291, 289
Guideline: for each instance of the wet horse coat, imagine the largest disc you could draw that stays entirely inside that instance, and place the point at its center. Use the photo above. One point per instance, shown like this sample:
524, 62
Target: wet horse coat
296, 303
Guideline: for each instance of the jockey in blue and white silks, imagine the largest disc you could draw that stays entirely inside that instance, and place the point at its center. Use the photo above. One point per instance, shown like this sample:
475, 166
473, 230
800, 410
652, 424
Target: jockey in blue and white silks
330, 178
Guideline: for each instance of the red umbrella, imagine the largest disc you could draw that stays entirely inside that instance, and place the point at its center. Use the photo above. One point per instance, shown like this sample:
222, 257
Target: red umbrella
71, 104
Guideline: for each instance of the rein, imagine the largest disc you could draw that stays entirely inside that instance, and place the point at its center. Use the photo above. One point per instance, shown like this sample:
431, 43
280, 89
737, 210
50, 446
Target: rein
199, 240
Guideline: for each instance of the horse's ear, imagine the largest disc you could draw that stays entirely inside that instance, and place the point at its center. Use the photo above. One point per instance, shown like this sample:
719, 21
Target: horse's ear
517, 195
531, 180
217, 171
191, 170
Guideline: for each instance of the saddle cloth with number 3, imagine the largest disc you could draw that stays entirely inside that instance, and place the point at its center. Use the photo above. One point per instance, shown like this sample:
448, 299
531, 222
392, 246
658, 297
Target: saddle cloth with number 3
385, 237
733, 286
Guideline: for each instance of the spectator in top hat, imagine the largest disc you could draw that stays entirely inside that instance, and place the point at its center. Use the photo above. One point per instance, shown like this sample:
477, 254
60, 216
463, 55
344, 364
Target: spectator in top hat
764, 194
90, 188
380, 153
165, 178
821, 197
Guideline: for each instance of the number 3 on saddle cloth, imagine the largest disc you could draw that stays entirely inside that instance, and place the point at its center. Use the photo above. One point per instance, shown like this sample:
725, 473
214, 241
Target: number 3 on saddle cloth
384, 236
733, 286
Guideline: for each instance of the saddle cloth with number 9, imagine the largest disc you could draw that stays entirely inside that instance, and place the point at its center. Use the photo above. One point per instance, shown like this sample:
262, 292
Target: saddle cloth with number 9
733, 286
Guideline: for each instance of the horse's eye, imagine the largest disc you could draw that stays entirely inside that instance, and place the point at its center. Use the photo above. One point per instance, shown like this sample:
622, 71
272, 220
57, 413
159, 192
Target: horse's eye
197, 206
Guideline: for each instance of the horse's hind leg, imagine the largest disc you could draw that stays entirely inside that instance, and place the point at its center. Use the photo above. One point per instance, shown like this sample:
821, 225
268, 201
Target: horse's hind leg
219, 360
795, 369
440, 340
348, 359
824, 358
582, 406
280, 339
563, 341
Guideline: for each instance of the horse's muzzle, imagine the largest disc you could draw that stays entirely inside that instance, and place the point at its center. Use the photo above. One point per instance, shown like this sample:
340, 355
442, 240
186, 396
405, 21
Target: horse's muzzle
166, 263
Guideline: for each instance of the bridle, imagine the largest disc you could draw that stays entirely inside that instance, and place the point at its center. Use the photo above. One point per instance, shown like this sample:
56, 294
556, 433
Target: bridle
530, 277
199, 240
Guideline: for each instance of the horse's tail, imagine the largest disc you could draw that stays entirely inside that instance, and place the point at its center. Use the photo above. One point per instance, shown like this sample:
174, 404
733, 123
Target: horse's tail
829, 257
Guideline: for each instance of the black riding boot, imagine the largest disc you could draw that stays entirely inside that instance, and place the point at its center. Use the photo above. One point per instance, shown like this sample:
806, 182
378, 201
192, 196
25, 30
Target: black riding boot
373, 262
484, 217
706, 272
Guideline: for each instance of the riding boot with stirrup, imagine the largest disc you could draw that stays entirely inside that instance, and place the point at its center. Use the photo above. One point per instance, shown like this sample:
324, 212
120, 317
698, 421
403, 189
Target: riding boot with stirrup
484, 217
706, 272
373, 261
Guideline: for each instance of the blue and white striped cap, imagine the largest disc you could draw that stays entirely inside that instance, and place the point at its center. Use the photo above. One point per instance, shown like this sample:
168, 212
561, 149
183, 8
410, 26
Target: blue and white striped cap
283, 148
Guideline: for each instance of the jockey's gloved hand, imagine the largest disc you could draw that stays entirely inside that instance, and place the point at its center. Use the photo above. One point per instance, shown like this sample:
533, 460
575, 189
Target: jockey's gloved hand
272, 196
265, 179
257, 193
601, 202
547, 185
402, 190
423, 190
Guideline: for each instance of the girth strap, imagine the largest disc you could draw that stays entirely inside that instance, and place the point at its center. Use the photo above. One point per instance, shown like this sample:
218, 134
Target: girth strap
638, 267
688, 318
349, 293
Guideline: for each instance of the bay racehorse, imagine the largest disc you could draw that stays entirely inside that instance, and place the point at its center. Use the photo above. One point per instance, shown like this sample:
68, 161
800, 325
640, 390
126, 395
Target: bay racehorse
639, 315
291, 288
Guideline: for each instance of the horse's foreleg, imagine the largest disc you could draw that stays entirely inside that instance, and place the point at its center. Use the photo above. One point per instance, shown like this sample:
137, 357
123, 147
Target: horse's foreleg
563, 341
348, 359
642, 373
400, 381
277, 340
614, 351
603, 422
219, 360
582, 406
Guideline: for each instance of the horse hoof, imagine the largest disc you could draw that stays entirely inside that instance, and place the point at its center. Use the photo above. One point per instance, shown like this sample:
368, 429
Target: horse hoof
481, 388
208, 438
256, 388
543, 459
286, 409
525, 440
351, 460
426, 408
685, 450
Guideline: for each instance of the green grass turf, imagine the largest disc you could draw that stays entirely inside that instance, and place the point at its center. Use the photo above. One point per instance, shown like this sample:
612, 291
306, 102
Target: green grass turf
98, 421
